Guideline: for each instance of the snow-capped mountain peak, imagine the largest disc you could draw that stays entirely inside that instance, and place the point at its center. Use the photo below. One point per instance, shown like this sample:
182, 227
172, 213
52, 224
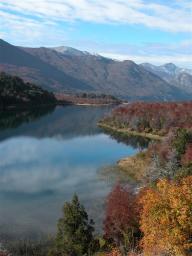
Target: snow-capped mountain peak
70, 51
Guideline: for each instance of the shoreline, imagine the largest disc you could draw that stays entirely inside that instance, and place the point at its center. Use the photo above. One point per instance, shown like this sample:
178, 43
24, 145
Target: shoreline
128, 132
94, 104
135, 167
22, 106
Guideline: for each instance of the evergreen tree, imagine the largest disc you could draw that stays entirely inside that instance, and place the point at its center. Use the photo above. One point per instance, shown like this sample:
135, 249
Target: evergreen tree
75, 231
180, 142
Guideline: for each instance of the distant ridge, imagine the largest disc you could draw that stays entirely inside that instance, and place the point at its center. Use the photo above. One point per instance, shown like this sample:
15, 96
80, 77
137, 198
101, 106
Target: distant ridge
179, 77
70, 51
65, 69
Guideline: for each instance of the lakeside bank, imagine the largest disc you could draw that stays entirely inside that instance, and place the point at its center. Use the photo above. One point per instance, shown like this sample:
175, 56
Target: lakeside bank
129, 132
134, 166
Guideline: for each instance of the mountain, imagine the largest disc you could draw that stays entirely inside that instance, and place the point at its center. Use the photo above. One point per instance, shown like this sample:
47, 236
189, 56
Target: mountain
176, 76
69, 51
15, 61
122, 79
183, 81
14, 92
167, 71
65, 69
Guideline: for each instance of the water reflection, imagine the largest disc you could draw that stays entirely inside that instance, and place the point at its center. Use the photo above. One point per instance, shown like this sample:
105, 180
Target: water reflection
64, 122
135, 141
44, 161
14, 118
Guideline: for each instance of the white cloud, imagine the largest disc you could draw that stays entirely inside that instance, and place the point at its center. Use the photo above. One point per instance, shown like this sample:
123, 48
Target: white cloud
180, 60
33, 22
25, 31
147, 13
178, 53
158, 53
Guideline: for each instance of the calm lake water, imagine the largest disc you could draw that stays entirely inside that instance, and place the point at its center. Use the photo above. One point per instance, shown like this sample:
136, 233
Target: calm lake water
45, 157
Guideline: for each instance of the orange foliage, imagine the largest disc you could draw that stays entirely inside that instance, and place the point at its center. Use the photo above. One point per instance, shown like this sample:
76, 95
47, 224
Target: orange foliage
166, 218
114, 252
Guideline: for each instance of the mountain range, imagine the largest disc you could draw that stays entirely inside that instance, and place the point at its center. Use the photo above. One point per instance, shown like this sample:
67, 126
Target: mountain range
65, 69
179, 77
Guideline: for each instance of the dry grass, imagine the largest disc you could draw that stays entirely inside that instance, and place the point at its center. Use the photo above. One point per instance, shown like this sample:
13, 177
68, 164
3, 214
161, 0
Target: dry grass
135, 166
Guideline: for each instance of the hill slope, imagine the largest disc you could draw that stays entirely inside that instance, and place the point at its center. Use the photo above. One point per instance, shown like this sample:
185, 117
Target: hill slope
123, 79
18, 62
65, 70
14, 92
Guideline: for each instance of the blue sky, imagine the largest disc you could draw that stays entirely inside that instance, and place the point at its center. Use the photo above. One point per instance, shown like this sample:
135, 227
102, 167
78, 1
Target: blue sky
156, 31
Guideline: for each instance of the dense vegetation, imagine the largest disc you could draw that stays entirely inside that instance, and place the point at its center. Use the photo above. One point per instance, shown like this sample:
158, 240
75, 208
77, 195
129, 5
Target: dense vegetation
156, 118
163, 207
166, 218
14, 92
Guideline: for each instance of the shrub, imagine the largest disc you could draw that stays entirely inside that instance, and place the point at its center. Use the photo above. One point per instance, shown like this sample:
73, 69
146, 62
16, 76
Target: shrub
166, 218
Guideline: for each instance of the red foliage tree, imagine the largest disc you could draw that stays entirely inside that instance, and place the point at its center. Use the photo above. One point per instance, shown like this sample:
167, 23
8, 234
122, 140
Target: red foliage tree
4, 253
121, 218
187, 157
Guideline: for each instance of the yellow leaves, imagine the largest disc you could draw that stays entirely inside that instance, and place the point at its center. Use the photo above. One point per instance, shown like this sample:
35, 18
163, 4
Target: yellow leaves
166, 217
114, 252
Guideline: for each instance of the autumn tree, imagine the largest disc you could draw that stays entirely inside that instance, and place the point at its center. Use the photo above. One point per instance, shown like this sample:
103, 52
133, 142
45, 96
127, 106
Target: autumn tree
4, 254
114, 252
75, 231
186, 158
166, 218
158, 118
121, 218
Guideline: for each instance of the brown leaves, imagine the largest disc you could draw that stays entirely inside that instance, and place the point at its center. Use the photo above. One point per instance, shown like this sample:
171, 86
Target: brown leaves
158, 118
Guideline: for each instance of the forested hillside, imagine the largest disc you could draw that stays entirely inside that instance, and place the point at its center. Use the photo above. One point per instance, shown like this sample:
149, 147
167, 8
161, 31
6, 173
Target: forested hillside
14, 92
155, 118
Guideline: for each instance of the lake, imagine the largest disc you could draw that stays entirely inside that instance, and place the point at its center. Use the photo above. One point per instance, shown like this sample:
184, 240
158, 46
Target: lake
48, 155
